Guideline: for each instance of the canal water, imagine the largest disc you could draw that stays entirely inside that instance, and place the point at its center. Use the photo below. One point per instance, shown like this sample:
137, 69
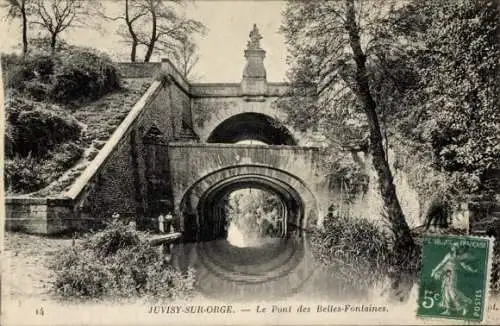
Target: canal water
252, 269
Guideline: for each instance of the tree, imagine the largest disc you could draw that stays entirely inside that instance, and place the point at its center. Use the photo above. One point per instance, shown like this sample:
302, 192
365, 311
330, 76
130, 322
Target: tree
185, 56
167, 27
156, 25
133, 11
56, 16
336, 58
455, 105
20, 8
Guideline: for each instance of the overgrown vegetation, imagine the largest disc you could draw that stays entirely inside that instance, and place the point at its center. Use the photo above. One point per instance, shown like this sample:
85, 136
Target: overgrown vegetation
448, 132
58, 105
357, 251
119, 262
41, 142
71, 76
423, 84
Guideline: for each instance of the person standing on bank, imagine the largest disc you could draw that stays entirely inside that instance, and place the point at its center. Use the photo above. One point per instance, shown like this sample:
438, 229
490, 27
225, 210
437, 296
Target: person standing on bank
169, 225
161, 223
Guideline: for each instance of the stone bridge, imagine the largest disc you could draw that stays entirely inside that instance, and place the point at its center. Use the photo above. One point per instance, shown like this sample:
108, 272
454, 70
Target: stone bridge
183, 147
203, 174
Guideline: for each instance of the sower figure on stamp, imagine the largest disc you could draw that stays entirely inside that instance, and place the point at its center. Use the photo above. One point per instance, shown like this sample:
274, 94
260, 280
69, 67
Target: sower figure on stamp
446, 271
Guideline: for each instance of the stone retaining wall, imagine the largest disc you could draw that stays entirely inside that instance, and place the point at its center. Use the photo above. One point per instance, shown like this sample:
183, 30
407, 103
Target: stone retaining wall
138, 69
116, 180
38, 215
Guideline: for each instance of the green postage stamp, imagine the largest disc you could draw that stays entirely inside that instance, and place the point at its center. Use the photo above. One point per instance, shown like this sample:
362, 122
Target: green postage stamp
455, 277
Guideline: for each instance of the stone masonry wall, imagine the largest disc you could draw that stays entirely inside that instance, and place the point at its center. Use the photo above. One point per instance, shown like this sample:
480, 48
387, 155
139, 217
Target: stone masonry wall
192, 163
38, 215
123, 180
138, 69
211, 110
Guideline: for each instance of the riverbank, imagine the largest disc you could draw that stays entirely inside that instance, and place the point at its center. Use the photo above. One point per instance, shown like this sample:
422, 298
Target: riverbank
26, 261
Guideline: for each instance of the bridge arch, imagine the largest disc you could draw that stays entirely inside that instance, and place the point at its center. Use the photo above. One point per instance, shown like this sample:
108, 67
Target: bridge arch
202, 218
251, 126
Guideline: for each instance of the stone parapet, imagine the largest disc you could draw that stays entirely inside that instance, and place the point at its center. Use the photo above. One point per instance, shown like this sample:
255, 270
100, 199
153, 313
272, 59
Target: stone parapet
205, 90
138, 69
168, 68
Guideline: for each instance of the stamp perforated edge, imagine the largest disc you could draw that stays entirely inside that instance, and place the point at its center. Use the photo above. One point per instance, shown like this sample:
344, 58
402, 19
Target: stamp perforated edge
489, 273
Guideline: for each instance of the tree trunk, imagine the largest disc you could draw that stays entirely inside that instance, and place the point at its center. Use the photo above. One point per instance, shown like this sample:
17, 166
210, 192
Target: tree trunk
149, 52
25, 28
53, 40
404, 246
152, 39
133, 50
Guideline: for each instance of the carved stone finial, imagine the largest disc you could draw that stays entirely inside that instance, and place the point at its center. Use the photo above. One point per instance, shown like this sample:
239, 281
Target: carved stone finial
255, 38
254, 75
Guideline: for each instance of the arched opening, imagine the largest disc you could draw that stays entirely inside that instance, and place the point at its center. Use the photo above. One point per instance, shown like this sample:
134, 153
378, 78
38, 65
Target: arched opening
251, 127
261, 209
271, 257
201, 208
254, 217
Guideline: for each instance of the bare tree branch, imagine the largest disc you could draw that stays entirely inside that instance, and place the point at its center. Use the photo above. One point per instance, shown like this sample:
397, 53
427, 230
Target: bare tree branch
56, 16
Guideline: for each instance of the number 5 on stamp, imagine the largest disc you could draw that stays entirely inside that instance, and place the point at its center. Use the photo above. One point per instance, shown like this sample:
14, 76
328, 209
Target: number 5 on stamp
454, 279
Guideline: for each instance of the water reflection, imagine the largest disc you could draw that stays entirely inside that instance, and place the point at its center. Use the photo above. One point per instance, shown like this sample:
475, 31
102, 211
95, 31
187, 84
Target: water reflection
276, 269
260, 257
236, 237
279, 268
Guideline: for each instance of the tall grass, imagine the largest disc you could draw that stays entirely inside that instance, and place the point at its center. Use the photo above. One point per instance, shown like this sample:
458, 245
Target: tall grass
118, 262
356, 251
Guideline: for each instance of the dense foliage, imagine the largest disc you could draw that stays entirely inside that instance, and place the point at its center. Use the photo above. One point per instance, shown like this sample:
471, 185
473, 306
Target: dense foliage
36, 128
356, 250
118, 262
43, 139
64, 77
432, 67
451, 115
256, 213
84, 75
41, 142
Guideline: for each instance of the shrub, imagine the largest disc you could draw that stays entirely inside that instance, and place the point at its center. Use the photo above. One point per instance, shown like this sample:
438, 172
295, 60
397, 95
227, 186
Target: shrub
353, 248
24, 174
65, 155
84, 75
39, 130
118, 262
31, 75
72, 75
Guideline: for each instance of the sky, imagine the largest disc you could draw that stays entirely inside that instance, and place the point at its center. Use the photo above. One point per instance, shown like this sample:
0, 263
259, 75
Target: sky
228, 24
